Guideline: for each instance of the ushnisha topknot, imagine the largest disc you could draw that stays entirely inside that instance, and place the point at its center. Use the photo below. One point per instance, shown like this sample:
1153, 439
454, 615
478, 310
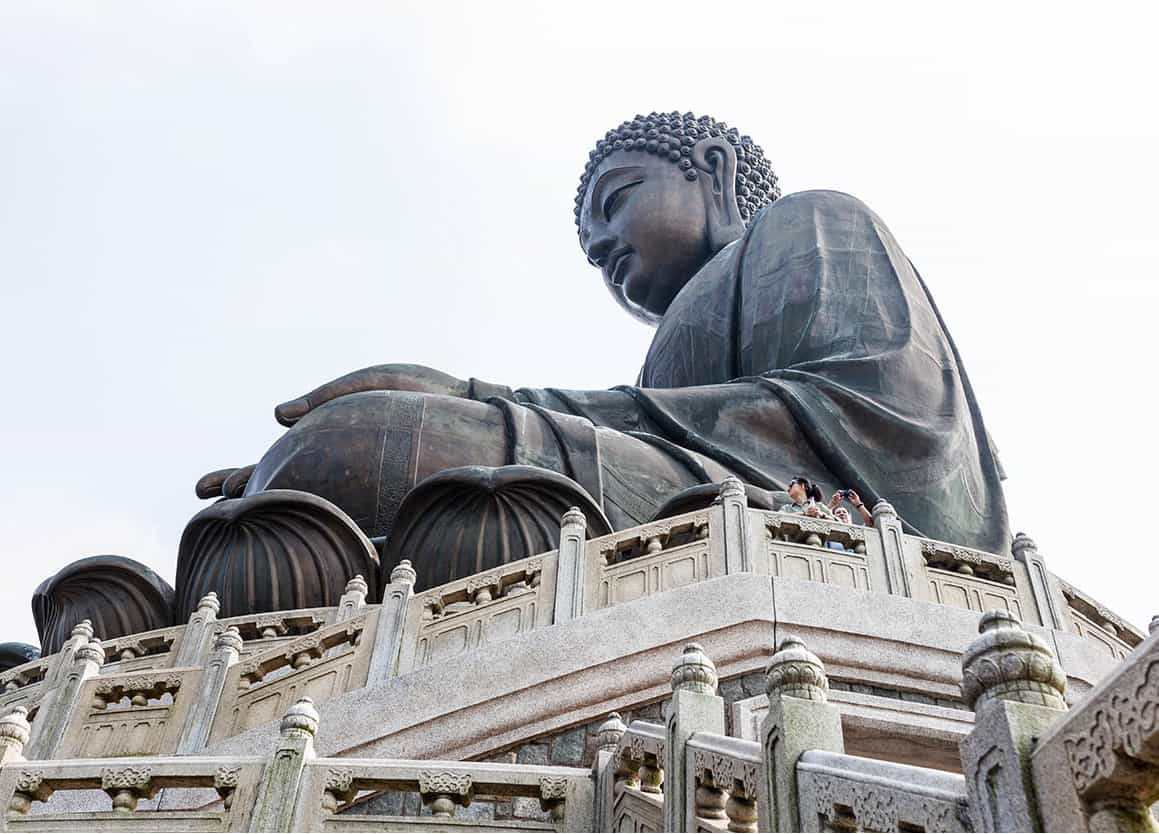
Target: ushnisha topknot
672, 136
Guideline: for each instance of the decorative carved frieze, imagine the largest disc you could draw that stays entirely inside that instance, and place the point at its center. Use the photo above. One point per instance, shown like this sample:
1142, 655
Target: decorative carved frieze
30, 786
1120, 736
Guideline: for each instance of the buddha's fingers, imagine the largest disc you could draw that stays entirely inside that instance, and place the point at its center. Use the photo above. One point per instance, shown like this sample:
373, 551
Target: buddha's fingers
209, 485
234, 485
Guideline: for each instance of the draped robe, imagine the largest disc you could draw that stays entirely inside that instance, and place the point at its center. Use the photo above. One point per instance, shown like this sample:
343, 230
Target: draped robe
810, 347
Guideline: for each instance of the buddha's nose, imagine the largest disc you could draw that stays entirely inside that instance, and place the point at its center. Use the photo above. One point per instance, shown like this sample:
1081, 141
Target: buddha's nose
599, 250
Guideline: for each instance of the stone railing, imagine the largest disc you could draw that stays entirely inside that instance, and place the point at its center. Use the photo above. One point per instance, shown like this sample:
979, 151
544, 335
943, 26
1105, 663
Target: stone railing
1028, 763
485, 608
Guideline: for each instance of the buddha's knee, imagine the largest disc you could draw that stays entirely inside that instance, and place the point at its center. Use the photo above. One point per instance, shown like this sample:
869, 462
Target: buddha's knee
364, 451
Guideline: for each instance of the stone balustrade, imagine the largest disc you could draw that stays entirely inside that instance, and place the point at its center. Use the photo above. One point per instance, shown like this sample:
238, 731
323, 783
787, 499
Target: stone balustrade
327, 652
1029, 763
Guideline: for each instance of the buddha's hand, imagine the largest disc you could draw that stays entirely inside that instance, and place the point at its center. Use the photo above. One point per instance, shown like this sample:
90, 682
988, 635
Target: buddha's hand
375, 378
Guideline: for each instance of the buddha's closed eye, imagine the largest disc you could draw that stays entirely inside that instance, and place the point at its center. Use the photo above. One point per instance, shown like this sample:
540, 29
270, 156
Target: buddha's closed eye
615, 200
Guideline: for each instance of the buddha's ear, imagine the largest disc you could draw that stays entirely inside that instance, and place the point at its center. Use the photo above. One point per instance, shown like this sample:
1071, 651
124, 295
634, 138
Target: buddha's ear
716, 160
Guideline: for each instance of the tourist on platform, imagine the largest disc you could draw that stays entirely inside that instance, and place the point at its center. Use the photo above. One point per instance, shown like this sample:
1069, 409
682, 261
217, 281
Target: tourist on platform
853, 498
806, 498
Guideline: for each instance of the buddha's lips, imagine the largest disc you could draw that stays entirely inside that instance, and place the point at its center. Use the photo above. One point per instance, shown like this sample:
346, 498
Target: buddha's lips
616, 260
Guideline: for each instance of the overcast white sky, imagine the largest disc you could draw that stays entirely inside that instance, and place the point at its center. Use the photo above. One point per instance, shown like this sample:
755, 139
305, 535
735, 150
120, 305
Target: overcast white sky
209, 208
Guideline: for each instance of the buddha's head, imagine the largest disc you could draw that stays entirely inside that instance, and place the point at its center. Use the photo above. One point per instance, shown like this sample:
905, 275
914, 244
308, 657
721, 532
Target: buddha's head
660, 195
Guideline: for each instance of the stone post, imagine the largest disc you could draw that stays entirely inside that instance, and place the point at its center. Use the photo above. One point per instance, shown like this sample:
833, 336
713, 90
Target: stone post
607, 770
353, 598
569, 574
61, 662
14, 734
800, 718
226, 650
734, 505
389, 632
276, 804
195, 641
695, 708
893, 546
1048, 598
1011, 680
56, 708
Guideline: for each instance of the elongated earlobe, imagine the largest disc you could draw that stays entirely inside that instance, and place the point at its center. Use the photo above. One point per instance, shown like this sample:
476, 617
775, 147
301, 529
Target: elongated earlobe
716, 160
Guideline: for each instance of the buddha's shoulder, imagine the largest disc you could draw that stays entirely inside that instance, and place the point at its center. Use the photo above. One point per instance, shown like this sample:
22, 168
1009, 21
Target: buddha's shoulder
809, 207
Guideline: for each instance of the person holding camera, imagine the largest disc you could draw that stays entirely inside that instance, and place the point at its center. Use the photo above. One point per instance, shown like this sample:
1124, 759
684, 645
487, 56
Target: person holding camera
853, 498
806, 498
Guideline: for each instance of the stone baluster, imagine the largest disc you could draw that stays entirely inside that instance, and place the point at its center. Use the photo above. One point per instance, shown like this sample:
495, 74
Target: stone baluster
14, 734
56, 707
734, 510
800, 718
1011, 680
353, 598
1052, 607
127, 786
695, 708
569, 576
389, 632
893, 546
195, 641
443, 790
226, 650
608, 770
275, 808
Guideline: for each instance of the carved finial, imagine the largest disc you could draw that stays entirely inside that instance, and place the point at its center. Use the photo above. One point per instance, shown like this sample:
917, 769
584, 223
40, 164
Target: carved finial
357, 585
1008, 663
209, 602
574, 517
732, 487
796, 672
611, 731
1022, 543
14, 728
229, 639
300, 719
403, 572
1154, 624
83, 629
91, 652
694, 671
883, 508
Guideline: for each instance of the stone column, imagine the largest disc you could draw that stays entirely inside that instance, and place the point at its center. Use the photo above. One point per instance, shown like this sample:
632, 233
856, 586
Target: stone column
226, 650
800, 718
353, 598
1048, 598
56, 707
606, 770
277, 799
1011, 680
893, 546
195, 641
389, 632
569, 574
14, 734
734, 507
695, 708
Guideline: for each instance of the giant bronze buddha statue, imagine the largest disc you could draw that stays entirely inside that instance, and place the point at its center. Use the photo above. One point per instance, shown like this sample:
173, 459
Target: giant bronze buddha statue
793, 337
